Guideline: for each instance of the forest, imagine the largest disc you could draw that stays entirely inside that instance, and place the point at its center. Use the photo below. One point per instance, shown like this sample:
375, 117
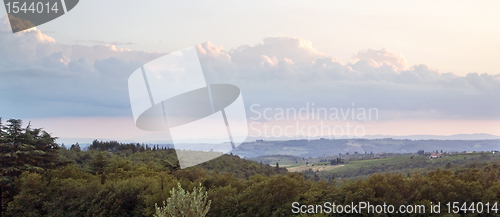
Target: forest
41, 178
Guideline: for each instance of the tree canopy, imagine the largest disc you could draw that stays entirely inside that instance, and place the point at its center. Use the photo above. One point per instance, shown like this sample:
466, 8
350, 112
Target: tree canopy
118, 181
25, 149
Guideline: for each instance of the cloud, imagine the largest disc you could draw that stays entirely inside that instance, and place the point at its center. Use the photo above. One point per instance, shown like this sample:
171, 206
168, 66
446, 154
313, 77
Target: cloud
104, 42
40, 77
29, 48
274, 49
289, 72
378, 58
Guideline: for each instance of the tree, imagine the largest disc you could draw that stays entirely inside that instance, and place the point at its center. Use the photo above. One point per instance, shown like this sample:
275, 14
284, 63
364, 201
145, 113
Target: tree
98, 163
29, 201
25, 149
182, 203
76, 147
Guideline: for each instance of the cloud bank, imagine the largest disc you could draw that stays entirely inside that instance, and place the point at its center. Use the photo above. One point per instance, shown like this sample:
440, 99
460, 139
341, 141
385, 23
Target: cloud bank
40, 77
377, 78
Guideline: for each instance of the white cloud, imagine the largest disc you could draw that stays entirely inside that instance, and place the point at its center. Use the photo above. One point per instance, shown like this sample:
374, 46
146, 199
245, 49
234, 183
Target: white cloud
40, 77
378, 58
299, 50
31, 49
75, 80
376, 78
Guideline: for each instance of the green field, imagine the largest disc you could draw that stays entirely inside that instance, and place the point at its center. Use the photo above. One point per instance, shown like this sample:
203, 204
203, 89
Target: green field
405, 164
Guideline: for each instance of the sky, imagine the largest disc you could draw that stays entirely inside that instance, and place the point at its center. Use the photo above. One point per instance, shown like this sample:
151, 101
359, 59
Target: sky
427, 67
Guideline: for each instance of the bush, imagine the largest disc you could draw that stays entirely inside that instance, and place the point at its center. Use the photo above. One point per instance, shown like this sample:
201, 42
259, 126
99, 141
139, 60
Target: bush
183, 204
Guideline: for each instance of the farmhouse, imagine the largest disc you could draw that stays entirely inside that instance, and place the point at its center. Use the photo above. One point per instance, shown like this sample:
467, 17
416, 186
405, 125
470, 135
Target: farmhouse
435, 155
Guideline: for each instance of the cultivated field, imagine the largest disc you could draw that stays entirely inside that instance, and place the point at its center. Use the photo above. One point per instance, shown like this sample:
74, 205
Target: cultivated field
313, 168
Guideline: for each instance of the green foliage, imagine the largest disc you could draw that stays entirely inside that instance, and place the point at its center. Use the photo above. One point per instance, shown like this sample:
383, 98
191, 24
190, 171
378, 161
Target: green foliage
135, 183
30, 200
404, 164
21, 150
185, 204
25, 149
114, 146
123, 198
121, 182
70, 197
241, 168
98, 163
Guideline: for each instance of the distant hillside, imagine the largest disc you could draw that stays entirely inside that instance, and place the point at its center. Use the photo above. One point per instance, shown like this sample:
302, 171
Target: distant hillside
139, 155
475, 136
325, 147
240, 168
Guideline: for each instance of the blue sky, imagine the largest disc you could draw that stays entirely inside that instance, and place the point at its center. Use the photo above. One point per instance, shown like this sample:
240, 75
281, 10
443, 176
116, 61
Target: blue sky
421, 64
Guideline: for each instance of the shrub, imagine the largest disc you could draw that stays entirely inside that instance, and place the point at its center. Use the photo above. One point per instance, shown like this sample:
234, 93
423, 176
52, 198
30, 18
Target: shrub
185, 204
